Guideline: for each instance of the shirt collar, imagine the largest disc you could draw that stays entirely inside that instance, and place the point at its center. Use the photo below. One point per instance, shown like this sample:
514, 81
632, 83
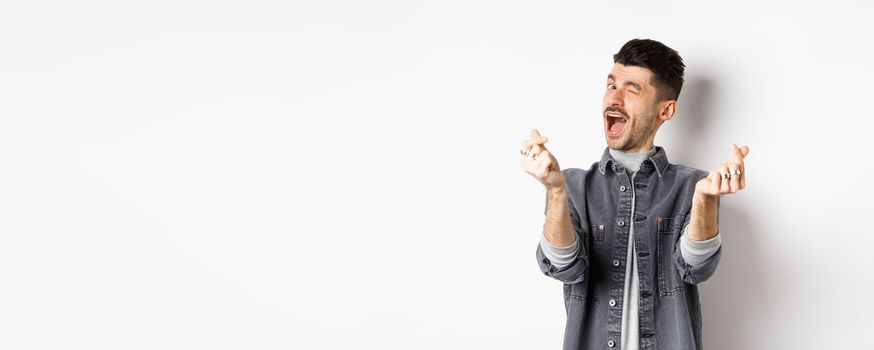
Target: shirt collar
659, 160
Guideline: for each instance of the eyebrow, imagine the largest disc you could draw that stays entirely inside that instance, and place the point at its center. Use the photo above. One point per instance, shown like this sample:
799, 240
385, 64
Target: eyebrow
635, 85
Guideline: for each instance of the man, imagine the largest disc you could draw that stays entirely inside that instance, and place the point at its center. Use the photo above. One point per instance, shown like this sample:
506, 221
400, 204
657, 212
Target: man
633, 235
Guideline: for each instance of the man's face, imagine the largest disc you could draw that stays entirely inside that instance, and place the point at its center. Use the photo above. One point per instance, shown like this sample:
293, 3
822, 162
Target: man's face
630, 109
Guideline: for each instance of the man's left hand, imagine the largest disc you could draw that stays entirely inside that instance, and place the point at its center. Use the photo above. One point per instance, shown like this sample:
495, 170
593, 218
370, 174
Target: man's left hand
728, 177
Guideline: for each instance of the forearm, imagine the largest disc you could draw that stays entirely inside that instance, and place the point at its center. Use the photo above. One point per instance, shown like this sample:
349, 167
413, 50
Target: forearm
558, 229
703, 224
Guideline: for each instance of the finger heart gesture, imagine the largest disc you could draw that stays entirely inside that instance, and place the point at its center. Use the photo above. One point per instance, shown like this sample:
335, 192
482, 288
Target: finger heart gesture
539, 162
726, 178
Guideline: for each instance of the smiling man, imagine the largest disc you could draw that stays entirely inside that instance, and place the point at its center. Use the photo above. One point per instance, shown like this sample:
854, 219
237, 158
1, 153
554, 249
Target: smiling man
633, 235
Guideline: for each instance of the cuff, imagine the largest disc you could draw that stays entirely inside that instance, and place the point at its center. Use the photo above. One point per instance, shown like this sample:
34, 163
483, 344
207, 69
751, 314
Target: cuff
696, 252
560, 256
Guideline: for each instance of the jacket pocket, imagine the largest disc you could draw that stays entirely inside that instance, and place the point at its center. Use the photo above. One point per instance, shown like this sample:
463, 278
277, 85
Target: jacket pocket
669, 229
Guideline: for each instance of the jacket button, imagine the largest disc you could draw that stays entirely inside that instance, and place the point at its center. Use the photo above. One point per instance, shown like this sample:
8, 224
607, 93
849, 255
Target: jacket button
612, 302
600, 227
621, 223
610, 343
622, 188
615, 262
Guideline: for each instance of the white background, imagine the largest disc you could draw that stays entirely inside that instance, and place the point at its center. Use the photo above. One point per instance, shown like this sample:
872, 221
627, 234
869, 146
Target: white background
339, 175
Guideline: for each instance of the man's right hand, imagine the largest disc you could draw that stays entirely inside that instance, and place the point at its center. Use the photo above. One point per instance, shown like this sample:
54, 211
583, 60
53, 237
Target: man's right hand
540, 163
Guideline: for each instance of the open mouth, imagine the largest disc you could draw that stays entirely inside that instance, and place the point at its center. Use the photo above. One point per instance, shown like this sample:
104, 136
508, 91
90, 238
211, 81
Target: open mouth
615, 122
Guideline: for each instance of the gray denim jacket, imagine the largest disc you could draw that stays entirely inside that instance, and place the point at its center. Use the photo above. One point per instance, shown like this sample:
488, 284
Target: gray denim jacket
600, 207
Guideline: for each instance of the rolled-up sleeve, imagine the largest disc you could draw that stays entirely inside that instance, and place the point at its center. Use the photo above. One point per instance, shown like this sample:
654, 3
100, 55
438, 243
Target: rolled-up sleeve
696, 261
697, 252
559, 256
573, 273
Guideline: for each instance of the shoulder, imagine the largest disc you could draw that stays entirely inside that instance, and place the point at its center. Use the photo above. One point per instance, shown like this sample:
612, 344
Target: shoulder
574, 173
580, 174
685, 173
577, 178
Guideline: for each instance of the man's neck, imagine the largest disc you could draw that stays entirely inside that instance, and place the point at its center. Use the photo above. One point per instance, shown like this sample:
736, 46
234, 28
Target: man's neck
631, 160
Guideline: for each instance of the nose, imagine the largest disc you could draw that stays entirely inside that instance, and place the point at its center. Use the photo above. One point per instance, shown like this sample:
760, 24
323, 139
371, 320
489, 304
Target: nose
613, 98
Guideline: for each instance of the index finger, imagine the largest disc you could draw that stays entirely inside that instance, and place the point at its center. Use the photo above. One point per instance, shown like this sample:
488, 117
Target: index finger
739, 153
534, 134
529, 143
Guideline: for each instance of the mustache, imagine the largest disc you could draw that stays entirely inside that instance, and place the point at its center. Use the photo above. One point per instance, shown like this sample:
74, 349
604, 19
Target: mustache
616, 109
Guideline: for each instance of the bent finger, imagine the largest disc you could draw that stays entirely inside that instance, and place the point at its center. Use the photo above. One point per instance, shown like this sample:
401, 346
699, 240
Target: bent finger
526, 145
724, 183
734, 183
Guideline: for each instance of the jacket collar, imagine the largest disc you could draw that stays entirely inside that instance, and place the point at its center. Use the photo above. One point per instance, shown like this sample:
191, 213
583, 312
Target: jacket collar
659, 160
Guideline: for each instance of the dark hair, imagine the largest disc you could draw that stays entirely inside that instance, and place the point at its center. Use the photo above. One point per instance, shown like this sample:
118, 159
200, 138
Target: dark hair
665, 63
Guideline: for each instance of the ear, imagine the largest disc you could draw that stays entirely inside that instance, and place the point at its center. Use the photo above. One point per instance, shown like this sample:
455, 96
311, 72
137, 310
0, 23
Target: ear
667, 109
